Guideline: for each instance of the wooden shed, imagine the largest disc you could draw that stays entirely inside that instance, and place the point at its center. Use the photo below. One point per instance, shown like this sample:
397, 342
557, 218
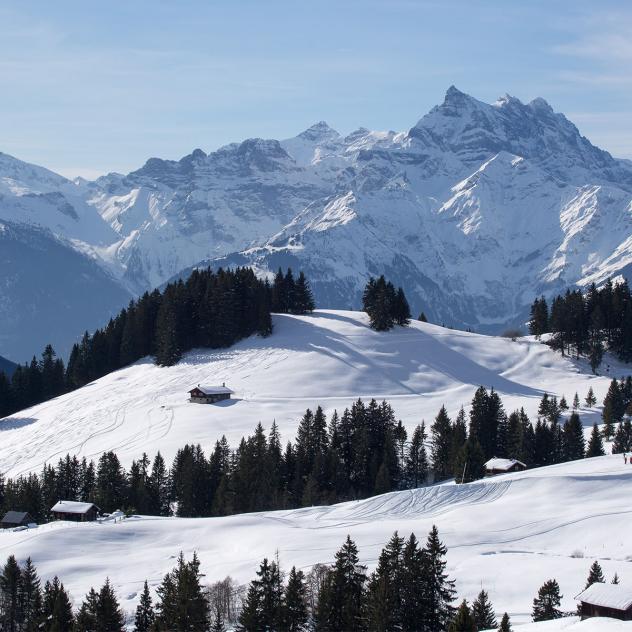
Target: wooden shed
75, 511
503, 466
14, 519
606, 600
209, 394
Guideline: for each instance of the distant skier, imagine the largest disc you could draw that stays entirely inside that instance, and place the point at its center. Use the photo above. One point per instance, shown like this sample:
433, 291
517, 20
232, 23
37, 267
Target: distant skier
625, 458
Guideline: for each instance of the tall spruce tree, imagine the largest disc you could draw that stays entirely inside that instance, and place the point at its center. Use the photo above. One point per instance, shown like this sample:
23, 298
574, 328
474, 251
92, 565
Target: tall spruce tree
439, 590
595, 444
441, 445
145, 614
505, 624
295, 613
464, 620
11, 618
483, 612
546, 603
573, 443
595, 575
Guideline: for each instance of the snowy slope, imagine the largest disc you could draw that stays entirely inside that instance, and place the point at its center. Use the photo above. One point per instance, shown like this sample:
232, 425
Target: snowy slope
508, 535
330, 358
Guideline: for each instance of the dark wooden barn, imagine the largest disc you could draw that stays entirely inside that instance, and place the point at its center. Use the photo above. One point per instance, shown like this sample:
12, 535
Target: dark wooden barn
14, 519
209, 394
75, 511
606, 600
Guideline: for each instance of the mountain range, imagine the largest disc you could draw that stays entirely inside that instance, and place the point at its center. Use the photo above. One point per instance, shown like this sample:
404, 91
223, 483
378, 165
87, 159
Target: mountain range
475, 210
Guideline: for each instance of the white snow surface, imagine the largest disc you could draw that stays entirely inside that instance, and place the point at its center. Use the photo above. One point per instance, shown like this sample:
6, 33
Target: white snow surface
329, 358
507, 534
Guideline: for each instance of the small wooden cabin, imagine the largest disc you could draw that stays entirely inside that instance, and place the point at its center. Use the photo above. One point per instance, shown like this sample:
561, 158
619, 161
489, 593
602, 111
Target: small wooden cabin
209, 394
606, 600
75, 511
503, 466
14, 519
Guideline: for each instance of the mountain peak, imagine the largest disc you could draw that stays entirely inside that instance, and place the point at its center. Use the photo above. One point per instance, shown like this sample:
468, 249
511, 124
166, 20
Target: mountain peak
319, 131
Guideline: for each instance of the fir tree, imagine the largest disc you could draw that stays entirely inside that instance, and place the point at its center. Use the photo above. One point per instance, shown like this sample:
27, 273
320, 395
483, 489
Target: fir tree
441, 445
422, 318
463, 621
483, 612
590, 400
303, 297
576, 402
30, 598
295, 614
10, 607
57, 609
546, 604
563, 404
416, 464
110, 617
401, 309
505, 624
595, 575
86, 619
145, 615
439, 590
595, 444
573, 443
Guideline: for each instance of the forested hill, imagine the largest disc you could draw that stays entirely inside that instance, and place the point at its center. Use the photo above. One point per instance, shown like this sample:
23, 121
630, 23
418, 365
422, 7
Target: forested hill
208, 310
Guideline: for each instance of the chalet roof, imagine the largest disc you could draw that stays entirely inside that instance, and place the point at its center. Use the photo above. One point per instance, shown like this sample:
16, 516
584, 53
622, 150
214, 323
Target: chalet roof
502, 464
14, 517
72, 507
214, 390
614, 596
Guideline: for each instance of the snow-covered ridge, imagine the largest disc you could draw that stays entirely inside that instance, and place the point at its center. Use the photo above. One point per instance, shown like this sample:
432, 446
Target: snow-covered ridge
474, 210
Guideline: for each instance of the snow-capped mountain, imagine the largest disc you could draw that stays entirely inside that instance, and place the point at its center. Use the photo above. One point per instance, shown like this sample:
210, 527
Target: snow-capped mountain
474, 210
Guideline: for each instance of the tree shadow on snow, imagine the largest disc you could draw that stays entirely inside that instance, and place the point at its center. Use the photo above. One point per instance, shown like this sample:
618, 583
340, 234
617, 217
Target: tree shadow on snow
16, 422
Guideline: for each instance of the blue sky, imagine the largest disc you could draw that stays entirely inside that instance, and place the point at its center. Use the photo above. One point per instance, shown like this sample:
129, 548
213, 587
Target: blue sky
87, 87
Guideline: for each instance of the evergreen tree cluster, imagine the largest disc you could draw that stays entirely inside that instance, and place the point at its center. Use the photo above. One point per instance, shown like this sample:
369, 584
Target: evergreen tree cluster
587, 323
291, 296
357, 454
209, 309
408, 591
385, 306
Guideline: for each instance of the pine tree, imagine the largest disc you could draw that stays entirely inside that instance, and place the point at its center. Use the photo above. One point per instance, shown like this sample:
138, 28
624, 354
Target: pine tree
422, 318
563, 404
110, 617
576, 402
463, 621
86, 619
341, 601
303, 297
416, 463
546, 604
441, 445
57, 609
401, 309
10, 585
505, 625
30, 597
590, 400
439, 590
470, 462
613, 409
295, 614
145, 615
595, 445
483, 612
595, 575
573, 443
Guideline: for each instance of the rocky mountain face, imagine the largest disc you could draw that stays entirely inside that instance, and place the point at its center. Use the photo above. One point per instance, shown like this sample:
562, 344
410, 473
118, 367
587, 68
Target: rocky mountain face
474, 210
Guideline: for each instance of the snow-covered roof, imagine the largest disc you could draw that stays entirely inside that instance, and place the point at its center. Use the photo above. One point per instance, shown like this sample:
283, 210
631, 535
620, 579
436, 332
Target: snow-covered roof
14, 517
614, 596
72, 507
502, 464
215, 390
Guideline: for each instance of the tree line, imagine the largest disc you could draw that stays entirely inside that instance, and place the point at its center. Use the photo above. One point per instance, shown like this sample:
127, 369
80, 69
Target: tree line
587, 323
210, 309
362, 452
409, 591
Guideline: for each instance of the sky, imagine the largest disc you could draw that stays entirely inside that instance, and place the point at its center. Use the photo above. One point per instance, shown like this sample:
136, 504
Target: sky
87, 88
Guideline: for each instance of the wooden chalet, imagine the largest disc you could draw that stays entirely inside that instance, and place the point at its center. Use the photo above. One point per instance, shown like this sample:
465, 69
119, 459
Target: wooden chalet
503, 466
75, 511
14, 519
209, 394
606, 600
